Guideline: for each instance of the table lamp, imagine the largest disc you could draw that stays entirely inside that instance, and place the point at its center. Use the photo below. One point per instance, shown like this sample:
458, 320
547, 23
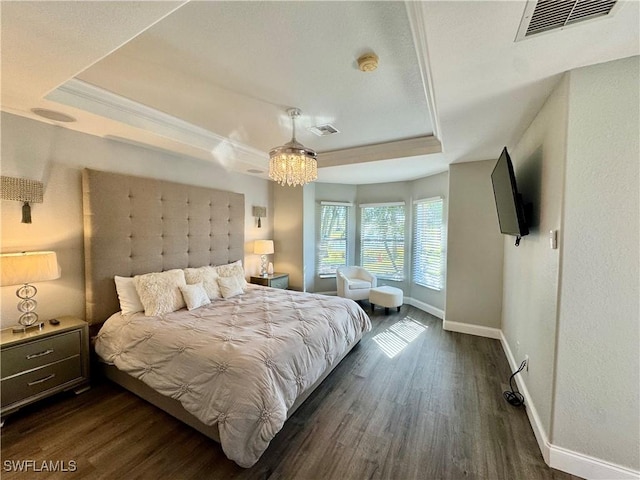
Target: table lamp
263, 248
23, 269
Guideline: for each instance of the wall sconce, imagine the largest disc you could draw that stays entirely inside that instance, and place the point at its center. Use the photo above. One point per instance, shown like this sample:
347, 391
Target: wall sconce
23, 269
22, 190
259, 212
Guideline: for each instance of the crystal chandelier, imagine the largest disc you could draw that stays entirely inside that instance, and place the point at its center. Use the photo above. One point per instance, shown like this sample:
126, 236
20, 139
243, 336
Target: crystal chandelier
293, 164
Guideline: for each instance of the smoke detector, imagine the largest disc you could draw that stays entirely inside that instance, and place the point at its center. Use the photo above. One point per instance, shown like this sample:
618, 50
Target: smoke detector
368, 62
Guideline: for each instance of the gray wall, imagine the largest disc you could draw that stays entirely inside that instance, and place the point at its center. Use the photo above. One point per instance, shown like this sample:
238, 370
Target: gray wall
288, 236
531, 270
474, 247
574, 311
56, 156
597, 407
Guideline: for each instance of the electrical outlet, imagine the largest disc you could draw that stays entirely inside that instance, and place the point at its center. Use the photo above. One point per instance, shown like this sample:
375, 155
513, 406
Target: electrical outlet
526, 359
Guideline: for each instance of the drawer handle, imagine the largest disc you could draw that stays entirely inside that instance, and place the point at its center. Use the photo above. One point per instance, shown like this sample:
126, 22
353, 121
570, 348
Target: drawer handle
41, 354
42, 380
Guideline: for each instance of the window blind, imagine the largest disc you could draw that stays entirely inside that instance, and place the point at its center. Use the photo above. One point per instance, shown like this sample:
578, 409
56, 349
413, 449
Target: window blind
332, 245
382, 240
428, 250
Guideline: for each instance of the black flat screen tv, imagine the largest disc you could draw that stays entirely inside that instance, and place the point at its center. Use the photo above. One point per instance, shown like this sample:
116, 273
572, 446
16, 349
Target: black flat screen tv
509, 203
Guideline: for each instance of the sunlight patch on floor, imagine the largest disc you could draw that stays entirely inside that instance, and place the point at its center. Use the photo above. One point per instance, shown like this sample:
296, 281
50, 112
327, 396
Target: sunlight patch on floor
395, 338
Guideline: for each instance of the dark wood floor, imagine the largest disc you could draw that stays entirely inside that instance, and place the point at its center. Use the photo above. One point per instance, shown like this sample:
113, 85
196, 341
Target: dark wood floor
433, 411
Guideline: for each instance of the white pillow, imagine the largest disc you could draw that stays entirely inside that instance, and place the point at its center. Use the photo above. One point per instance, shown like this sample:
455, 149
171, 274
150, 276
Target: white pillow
208, 276
233, 270
230, 286
195, 295
128, 296
160, 292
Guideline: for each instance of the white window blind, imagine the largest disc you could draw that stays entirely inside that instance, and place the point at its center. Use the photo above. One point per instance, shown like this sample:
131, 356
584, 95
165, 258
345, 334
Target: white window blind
332, 247
382, 239
428, 249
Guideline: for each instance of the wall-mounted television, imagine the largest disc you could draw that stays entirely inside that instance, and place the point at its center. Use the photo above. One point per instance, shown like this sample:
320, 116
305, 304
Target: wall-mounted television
509, 203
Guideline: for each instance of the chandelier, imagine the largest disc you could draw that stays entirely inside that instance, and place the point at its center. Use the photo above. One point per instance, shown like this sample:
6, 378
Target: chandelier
293, 164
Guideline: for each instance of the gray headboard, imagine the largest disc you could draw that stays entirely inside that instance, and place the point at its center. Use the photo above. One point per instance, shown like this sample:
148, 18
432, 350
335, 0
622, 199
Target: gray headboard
135, 225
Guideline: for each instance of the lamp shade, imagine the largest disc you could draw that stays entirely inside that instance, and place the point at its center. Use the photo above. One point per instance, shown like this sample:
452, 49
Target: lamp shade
28, 267
263, 247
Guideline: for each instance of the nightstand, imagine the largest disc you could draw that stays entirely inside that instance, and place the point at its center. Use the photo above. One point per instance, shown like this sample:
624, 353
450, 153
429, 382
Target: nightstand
39, 363
276, 280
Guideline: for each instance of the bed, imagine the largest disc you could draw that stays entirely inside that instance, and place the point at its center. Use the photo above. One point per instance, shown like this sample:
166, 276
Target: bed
234, 369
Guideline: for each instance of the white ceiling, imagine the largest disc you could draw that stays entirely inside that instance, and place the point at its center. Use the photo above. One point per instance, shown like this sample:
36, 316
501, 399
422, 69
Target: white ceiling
213, 80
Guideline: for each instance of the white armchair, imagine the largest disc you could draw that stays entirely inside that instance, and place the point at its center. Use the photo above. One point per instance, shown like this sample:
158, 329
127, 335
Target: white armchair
355, 282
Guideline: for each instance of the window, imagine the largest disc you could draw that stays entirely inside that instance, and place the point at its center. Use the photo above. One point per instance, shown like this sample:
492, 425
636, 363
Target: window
428, 254
332, 247
382, 240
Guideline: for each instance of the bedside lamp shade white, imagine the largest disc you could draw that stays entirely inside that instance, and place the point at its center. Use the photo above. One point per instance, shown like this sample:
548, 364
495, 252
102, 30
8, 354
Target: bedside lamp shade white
263, 248
23, 269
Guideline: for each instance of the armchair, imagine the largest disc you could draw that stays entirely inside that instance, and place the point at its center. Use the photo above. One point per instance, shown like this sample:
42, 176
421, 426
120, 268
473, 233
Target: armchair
354, 282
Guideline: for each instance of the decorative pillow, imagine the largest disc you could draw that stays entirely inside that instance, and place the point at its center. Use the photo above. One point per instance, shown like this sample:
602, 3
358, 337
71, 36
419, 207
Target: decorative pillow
208, 276
160, 292
233, 270
195, 295
230, 286
128, 296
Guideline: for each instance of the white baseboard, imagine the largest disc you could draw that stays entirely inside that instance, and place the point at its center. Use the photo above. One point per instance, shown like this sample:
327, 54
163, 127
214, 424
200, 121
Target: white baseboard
425, 307
479, 330
532, 413
588, 467
560, 458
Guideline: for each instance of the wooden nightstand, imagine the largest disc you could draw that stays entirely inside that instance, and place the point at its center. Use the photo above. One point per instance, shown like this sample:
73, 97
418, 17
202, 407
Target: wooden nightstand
276, 280
39, 363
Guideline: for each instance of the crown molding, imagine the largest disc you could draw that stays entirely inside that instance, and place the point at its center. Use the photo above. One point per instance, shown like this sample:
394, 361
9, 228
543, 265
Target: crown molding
87, 97
410, 147
415, 12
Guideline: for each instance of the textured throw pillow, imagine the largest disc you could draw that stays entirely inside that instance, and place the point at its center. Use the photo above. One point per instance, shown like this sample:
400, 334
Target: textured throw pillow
127, 295
230, 286
160, 292
208, 276
233, 270
194, 295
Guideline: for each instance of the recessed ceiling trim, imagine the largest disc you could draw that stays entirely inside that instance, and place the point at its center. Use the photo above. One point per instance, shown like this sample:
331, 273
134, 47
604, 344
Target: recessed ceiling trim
380, 151
90, 98
417, 21
543, 16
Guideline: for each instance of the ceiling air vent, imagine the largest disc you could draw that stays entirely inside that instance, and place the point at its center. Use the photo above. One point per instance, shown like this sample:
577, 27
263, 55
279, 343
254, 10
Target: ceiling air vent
324, 130
545, 15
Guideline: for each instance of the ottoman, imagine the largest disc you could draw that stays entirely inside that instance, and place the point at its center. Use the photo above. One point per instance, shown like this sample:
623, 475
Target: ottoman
386, 297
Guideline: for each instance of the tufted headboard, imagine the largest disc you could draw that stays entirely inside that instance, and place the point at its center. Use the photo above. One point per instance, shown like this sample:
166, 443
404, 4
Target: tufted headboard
135, 225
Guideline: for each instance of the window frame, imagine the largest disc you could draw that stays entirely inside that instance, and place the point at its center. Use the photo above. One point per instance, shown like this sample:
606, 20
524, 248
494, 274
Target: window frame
398, 243
320, 271
425, 240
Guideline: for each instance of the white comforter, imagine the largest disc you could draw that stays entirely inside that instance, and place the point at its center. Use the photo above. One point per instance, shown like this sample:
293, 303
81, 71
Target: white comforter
239, 362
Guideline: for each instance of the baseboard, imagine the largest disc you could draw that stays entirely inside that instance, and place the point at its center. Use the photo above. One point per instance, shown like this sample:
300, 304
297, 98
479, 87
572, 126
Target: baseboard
588, 467
425, 307
479, 330
560, 458
532, 413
